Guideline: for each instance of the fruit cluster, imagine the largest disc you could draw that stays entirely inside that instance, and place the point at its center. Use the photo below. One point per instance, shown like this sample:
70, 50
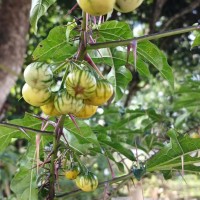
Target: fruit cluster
99, 7
81, 95
85, 181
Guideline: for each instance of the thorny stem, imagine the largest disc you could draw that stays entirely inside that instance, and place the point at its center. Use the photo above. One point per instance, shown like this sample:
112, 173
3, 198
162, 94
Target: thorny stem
102, 184
24, 128
142, 38
58, 132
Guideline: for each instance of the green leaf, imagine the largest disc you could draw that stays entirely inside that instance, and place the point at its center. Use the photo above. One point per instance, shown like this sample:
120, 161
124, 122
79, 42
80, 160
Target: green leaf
113, 30
6, 134
24, 182
116, 146
55, 47
38, 9
81, 139
150, 52
175, 154
196, 41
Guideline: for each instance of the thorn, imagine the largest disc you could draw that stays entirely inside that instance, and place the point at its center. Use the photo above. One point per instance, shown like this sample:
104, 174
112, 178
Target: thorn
133, 46
74, 121
21, 129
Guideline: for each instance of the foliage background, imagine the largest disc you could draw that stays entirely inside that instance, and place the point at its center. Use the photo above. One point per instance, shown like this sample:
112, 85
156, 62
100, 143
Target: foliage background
155, 107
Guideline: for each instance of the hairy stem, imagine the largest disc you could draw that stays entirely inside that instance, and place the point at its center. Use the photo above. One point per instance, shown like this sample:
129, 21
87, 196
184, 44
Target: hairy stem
56, 140
142, 38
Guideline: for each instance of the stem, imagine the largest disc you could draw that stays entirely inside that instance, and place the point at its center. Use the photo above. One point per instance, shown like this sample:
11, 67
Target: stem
56, 140
83, 40
102, 184
142, 38
24, 128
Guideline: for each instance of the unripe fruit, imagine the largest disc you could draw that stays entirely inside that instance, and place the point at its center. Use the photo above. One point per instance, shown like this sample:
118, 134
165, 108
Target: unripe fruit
35, 97
66, 104
125, 6
86, 112
49, 109
96, 7
103, 92
87, 182
80, 84
38, 75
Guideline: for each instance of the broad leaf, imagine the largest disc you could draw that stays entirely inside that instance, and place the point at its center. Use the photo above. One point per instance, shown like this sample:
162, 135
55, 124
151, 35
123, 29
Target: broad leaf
24, 182
7, 133
81, 139
56, 46
113, 30
196, 41
38, 9
176, 154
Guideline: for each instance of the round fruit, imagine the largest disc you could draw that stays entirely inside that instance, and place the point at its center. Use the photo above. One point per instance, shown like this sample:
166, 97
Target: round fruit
125, 6
195, 135
49, 109
72, 173
86, 112
38, 75
35, 97
87, 182
103, 92
96, 7
66, 104
80, 84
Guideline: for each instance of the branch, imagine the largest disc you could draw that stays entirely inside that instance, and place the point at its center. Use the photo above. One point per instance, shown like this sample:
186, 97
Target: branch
142, 38
102, 184
8, 125
188, 9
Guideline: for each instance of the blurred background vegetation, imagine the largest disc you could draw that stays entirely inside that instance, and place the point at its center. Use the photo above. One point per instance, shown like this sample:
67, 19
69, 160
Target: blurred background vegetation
152, 93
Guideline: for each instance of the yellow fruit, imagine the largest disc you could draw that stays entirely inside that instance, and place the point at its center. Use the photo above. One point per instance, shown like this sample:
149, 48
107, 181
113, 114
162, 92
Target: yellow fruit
87, 182
86, 112
49, 109
103, 92
195, 135
125, 6
66, 104
80, 84
35, 97
96, 7
72, 173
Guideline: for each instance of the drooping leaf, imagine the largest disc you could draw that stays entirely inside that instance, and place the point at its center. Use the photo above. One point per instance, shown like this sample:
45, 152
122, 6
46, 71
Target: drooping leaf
176, 154
116, 146
56, 46
38, 9
150, 53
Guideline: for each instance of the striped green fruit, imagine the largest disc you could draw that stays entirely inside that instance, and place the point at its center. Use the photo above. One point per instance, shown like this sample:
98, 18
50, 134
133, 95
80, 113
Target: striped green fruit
86, 112
38, 75
103, 92
66, 104
125, 6
34, 96
87, 182
96, 7
80, 84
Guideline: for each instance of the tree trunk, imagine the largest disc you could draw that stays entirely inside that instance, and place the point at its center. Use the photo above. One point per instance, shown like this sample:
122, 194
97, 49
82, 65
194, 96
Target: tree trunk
14, 23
